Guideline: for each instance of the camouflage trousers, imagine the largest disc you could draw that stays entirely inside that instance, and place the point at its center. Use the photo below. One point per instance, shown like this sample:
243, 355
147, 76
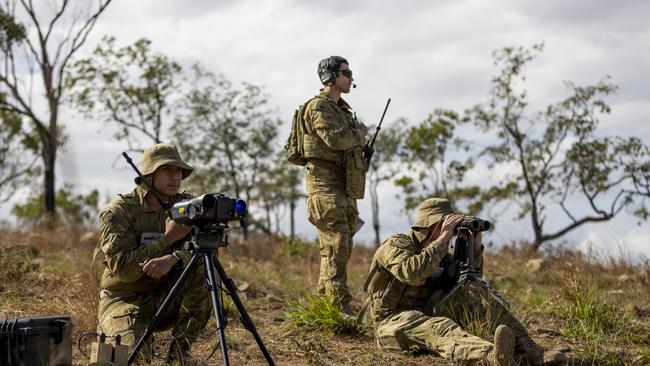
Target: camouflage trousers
128, 314
335, 216
447, 331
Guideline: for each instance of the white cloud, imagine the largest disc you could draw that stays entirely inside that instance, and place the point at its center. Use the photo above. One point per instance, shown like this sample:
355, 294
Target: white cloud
422, 54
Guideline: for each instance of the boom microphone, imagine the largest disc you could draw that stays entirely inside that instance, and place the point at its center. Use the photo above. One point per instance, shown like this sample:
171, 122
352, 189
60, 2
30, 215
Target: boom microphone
354, 85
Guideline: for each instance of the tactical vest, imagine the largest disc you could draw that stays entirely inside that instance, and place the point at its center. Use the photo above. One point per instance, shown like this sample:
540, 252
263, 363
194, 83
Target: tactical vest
383, 289
349, 164
315, 148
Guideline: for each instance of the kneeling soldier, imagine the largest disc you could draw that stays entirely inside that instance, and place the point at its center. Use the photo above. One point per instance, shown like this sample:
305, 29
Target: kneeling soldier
139, 256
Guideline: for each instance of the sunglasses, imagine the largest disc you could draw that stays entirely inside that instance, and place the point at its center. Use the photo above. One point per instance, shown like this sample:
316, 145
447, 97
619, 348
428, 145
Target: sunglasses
346, 72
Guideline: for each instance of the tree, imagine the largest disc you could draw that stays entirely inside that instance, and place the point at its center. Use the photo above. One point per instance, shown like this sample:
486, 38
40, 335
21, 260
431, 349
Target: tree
228, 133
282, 189
76, 211
44, 49
17, 156
555, 157
130, 87
383, 167
433, 169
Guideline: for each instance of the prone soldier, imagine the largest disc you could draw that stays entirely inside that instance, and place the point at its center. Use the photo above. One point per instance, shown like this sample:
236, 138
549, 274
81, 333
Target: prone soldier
404, 299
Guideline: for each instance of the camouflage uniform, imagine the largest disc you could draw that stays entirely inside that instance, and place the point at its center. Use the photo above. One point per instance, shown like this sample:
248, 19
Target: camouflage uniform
130, 232
331, 134
402, 295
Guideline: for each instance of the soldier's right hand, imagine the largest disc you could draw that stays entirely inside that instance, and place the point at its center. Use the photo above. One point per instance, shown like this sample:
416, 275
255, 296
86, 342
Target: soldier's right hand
174, 231
448, 226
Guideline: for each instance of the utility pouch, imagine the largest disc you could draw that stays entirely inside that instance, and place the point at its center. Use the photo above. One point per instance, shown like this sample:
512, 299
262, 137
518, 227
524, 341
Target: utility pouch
355, 173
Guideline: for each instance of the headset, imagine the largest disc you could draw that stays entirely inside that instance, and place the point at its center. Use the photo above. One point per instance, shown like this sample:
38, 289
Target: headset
328, 67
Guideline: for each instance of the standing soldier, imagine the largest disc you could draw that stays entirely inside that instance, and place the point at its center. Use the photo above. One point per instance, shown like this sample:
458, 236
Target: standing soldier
138, 257
333, 143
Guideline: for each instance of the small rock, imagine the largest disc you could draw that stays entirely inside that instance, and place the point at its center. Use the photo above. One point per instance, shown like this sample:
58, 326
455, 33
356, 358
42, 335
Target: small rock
537, 264
624, 278
617, 292
40, 261
242, 286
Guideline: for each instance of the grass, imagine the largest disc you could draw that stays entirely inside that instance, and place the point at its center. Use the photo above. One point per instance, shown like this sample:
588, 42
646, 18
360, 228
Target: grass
321, 313
590, 316
578, 301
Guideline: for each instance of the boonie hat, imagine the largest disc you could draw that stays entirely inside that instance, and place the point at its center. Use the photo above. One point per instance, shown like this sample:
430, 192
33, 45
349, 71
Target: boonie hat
431, 211
159, 155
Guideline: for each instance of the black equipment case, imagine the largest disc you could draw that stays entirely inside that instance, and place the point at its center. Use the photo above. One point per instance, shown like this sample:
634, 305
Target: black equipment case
36, 341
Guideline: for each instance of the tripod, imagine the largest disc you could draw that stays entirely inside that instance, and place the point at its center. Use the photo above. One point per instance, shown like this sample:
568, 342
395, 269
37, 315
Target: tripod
204, 244
463, 270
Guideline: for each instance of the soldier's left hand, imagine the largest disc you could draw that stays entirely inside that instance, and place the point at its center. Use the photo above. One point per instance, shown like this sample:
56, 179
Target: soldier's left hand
364, 128
158, 267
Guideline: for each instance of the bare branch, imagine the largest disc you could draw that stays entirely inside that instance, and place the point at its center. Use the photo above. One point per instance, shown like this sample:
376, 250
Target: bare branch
78, 40
56, 17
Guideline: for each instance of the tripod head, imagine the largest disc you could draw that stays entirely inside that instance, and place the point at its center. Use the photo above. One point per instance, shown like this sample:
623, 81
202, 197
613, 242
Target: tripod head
208, 236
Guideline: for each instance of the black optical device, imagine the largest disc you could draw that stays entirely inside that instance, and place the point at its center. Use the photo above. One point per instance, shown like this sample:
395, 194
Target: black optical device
474, 224
208, 208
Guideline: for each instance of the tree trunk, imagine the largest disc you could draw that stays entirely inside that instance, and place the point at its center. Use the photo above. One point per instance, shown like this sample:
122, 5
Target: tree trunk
292, 214
374, 201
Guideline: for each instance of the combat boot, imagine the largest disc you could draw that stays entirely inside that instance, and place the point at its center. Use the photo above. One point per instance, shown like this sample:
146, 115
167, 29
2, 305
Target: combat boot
179, 354
531, 353
504, 346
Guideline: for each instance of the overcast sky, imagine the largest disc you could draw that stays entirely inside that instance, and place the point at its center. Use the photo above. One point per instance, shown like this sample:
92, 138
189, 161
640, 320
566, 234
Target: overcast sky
422, 54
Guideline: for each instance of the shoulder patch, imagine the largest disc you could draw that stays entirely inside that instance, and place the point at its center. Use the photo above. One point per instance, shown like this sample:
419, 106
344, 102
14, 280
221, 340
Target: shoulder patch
400, 241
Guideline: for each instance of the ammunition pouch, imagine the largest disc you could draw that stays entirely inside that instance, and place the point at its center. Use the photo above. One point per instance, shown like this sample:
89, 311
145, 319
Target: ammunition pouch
355, 173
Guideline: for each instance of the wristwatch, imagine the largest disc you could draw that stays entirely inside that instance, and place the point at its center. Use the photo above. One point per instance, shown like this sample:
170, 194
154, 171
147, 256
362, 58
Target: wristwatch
178, 257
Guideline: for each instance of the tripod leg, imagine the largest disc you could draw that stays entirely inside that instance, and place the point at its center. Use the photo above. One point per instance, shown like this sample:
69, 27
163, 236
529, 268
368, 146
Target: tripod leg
458, 286
245, 318
157, 317
216, 305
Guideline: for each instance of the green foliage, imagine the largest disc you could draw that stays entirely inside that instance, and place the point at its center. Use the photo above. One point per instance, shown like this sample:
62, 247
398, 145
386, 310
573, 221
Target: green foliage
11, 31
428, 149
74, 210
130, 86
228, 133
321, 313
17, 155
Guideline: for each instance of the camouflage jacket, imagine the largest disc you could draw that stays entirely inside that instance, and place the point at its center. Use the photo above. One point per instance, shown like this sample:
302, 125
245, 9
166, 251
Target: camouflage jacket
130, 232
401, 276
330, 130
